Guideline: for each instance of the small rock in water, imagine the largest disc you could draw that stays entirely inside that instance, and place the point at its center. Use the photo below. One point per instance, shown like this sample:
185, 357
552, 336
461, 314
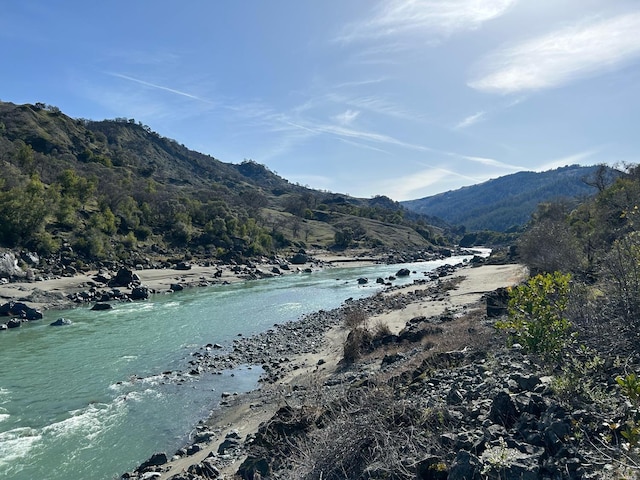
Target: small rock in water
61, 322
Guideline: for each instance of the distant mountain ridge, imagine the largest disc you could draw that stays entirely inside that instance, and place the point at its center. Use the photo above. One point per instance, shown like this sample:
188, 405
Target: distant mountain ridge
506, 202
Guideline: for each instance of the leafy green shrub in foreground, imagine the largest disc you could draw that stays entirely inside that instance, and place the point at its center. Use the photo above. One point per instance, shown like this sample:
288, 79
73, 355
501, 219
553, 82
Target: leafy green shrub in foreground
536, 312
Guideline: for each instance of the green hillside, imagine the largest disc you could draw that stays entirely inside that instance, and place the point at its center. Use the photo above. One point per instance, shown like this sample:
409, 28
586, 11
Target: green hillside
116, 190
509, 201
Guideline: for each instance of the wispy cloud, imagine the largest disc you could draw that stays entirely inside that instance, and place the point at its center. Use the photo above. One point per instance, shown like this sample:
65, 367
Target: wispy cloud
347, 117
418, 183
470, 120
576, 158
160, 87
433, 17
562, 56
490, 162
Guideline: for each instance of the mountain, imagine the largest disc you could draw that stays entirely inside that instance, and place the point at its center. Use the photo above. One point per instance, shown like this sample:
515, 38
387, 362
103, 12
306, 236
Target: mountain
508, 202
116, 190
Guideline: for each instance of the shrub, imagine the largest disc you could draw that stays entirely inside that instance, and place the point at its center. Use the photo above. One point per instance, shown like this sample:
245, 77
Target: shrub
355, 317
536, 312
357, 342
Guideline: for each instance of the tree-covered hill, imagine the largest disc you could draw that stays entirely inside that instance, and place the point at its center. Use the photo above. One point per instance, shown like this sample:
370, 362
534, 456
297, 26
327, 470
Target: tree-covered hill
509, 201
115, 189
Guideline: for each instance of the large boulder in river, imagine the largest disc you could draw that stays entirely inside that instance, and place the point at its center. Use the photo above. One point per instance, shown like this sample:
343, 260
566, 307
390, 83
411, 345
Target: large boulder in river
14, 323
139, 293
403, 272
101, 306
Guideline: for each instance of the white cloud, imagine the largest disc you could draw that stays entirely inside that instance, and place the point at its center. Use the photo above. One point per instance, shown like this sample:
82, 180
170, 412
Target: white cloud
562, 56
434, 17
347, 117
576, 158
490, 162
470, 120
419, 184
160, 87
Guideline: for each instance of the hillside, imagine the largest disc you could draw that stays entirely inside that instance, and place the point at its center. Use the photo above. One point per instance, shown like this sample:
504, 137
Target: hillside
508, 201
116, 190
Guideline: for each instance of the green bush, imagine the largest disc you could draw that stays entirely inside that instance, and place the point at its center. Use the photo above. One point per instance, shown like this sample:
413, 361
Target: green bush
536, 312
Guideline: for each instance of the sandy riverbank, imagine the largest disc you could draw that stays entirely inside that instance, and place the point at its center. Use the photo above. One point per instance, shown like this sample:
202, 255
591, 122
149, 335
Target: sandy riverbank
244, 414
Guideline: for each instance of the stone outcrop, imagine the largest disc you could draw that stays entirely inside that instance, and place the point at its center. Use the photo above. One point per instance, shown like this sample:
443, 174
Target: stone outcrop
20, 310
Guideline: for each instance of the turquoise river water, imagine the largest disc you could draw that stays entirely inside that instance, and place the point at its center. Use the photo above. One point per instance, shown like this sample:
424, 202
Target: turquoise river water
88, 400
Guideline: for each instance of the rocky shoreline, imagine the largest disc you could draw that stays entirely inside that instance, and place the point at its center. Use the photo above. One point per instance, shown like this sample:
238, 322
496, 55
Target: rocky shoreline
28, 292
291, 350
438, 396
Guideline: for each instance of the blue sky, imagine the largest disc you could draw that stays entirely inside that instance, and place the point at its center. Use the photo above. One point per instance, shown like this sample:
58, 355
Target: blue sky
399, 98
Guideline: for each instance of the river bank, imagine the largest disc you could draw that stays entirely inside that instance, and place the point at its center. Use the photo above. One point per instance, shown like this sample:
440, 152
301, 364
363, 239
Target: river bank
55, 293
304, 358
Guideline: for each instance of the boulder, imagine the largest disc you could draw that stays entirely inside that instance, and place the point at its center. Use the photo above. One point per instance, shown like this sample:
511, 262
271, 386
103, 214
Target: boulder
465, 467
139, 293
183, 266
176, 287
123, 278
19, 309
403, 272
155, 460
101, 306
9, 266
299, 259
61, 322
503, 411
14, 323
363, 281
497, 302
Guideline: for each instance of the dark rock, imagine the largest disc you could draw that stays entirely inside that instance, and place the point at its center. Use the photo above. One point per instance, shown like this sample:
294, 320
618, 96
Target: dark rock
31, 258
21, 310
254, 467
123, 278
182, 266
527, 382
176, 287
102, 278
14, 323
299, 259
503, 411
205, 470
228, 444
465, 467
362, 281
380, 280
139, 293
60, 322
497, 302
276, 270
101, 306
403, 272
193, 449
159, 458
392, 358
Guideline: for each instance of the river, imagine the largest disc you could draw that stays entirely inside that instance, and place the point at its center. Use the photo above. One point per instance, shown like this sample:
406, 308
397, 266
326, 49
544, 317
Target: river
89, 400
